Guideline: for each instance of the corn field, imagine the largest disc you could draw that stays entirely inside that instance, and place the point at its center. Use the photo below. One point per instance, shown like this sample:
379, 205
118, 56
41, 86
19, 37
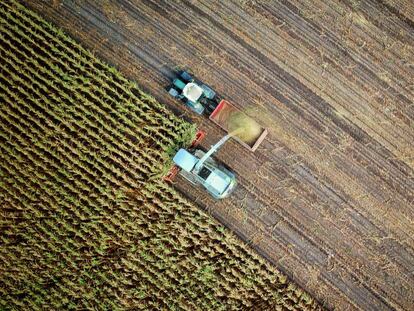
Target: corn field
86, 222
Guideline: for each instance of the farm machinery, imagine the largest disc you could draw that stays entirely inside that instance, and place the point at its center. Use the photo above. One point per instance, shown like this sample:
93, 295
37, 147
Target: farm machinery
196, 165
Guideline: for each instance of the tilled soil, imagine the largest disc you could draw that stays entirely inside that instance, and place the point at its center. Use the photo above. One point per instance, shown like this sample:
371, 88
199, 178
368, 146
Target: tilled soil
86, 222
328, 196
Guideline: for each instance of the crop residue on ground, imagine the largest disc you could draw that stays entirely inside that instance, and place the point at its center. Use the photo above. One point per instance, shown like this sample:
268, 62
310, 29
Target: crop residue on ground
85, 221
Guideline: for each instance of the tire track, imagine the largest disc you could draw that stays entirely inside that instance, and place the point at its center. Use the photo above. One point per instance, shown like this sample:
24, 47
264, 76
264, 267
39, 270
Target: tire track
249, 66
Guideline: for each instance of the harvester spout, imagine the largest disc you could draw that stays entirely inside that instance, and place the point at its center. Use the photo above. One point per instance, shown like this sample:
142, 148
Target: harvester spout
213, 149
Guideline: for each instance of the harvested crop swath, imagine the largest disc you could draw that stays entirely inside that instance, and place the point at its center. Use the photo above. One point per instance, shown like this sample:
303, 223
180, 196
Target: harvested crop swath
85, 221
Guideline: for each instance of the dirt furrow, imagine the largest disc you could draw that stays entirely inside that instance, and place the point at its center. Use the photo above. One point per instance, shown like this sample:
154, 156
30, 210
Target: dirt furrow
328, 195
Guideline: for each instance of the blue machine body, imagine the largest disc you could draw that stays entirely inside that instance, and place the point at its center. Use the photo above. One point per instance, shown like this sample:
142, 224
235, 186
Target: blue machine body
185, 160
206, 99
217, 180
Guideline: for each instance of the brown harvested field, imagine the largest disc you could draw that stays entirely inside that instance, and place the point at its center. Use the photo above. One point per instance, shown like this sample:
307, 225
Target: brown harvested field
328, 196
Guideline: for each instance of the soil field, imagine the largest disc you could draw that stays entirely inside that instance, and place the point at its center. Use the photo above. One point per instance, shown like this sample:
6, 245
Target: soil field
86, 223
328, 196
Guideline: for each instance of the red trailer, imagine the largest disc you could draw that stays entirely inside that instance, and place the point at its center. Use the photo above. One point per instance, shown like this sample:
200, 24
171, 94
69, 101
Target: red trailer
223, 113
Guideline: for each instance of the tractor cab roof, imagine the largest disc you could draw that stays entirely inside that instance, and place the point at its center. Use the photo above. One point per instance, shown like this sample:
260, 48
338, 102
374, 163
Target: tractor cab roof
192, 91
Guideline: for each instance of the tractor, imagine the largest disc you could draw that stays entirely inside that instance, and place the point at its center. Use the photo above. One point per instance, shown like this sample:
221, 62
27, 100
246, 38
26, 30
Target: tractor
196, 95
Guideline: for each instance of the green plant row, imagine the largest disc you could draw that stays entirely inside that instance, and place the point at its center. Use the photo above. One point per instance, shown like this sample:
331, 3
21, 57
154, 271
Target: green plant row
63, 59
86, 221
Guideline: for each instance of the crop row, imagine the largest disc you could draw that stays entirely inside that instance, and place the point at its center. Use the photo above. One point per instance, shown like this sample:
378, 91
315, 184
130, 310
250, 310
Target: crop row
86, 221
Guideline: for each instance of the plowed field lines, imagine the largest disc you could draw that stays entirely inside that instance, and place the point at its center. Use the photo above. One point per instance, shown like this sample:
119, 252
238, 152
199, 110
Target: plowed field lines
85, 220
328, 195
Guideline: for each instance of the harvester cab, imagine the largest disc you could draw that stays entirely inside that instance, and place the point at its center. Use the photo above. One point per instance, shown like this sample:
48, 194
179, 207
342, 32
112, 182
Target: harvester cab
199, 168
198, 96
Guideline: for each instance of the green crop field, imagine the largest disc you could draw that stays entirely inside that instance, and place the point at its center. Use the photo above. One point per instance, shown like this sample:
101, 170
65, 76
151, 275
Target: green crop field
85, 221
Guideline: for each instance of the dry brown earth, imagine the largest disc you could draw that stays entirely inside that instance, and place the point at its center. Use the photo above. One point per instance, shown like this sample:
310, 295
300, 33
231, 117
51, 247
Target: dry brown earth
328, 197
